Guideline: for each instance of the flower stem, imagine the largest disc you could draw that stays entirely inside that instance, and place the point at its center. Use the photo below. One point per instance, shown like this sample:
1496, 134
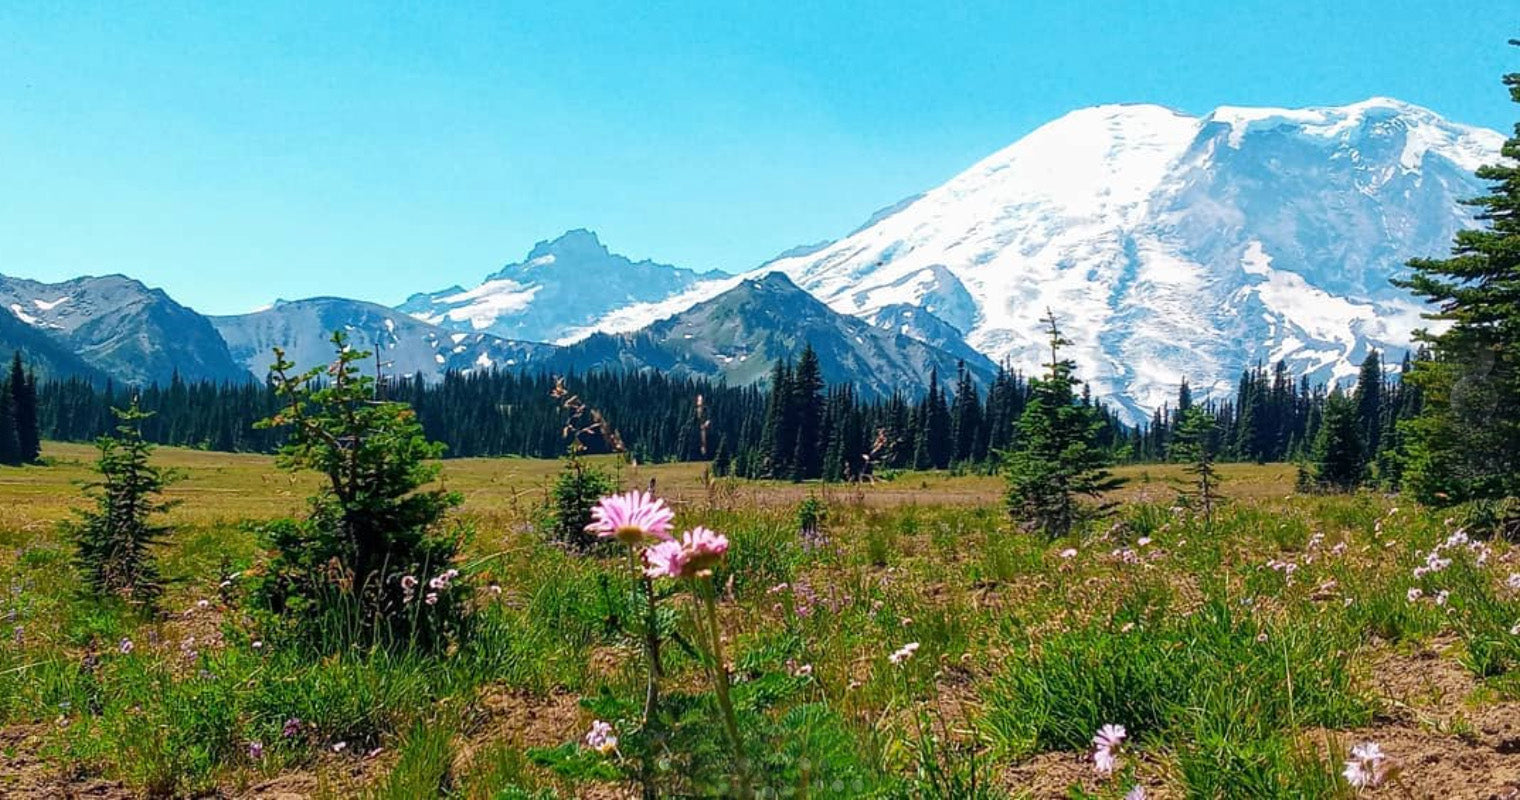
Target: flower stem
655, 672
721, 685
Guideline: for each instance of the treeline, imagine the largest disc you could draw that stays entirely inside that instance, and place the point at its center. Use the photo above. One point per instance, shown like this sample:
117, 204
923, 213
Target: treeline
803, 429
799, 429
812, 431
1277, 417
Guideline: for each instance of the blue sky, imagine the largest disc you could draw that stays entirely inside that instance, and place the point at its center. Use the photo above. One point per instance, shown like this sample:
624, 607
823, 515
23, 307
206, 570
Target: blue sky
232, 152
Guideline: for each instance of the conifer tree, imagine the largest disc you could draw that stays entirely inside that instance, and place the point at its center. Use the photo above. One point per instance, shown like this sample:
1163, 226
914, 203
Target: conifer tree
933, 446
1055, 459
778, 442
10, 447
115, 539
965, 418
1465, 445
24, 398
1339, 457
1195, 443
722, 463
372, 523
807, 411
1368, 398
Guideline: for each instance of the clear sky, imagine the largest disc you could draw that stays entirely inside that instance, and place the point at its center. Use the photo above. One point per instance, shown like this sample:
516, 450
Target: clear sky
235, 152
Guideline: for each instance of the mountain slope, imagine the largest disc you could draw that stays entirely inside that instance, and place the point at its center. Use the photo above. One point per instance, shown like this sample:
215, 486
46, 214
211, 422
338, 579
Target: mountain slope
740, 334
562, 286
407, 346
48, 356
1169, 245
122, 328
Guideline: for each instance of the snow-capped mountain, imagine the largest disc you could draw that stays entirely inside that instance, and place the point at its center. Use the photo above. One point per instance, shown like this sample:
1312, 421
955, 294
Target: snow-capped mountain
1168, 245
562, 286
404, 345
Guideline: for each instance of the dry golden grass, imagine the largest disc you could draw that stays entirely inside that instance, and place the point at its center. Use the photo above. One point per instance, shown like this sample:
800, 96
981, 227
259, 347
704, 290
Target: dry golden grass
222, 488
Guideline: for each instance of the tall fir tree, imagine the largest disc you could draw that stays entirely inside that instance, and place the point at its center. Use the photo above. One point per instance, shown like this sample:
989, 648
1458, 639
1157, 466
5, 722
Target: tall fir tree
1055, 460
807, 411
778, 440
10, 447
965, 417
1465, 445
1339, 457
1368, 398
23, 387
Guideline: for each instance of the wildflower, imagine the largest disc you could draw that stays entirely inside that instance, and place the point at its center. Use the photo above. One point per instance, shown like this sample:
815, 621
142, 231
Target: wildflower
292, 727
696, 553
1069, 552
255, 750
1110, 736
1414, 594
906, 621
258, 644
904, 653
494, 589
1513, 581
1137, 793
408, 582
633, 518
1515, 629
803, 671
704, 549
1261, 638
1107, 740
431, 598
1143, 541
340, 747
126, 646
1441, 596
1367, 766
601, 738
665, 560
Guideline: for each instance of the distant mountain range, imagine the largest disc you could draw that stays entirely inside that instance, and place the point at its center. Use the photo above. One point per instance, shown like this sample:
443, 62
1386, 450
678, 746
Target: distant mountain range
1169, 245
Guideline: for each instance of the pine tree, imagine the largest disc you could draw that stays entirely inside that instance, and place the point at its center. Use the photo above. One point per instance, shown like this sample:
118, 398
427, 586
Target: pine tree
965, 417
24, 398
115, 540
373, 521
807, 411
1368, 398
10, 447
778, 441
1195, 443
933, 446
1465, 445
1339, 458
722, 463
1055, 459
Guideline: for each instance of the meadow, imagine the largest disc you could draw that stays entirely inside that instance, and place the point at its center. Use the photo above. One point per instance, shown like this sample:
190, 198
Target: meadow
895, 639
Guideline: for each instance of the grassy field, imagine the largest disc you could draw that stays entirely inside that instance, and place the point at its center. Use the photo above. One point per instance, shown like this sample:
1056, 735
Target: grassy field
1245, 658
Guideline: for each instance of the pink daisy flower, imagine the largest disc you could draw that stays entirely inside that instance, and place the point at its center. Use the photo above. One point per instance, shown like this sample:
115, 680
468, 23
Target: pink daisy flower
633, 518
704, 549
665, 559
